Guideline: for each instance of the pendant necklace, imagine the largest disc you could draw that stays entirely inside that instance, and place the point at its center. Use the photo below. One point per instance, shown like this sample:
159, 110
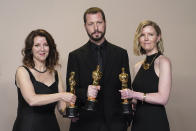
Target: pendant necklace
40, 71
146, 65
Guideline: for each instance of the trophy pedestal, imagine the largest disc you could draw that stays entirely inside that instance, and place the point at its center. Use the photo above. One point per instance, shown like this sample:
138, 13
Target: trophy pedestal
127, 112
126, 109
90, 105
71, 112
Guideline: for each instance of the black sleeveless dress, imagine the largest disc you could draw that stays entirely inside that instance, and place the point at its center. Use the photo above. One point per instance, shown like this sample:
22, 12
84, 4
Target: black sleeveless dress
37, 118
148, 117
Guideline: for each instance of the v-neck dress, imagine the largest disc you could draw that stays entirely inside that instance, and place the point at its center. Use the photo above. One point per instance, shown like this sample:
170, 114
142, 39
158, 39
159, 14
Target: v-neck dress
37, 118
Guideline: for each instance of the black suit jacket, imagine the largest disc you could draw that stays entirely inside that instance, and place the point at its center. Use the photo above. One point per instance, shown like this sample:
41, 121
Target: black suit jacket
82, 62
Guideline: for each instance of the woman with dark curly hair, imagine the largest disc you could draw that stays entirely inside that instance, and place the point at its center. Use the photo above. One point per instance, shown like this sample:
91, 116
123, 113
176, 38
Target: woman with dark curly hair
40, 87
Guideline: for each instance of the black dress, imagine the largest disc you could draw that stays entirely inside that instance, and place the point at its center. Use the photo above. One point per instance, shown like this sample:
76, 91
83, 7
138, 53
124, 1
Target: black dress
148, 117
37, 118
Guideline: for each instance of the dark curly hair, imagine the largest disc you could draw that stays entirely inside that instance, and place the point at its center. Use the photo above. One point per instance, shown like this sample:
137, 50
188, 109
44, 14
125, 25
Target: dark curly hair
53, 56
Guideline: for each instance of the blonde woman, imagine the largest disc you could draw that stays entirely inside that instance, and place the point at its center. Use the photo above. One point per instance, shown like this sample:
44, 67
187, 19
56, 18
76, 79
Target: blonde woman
152, 82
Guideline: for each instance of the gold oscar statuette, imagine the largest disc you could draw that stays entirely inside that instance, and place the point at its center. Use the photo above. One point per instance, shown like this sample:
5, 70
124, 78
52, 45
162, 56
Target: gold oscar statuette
126, 107
72, 110
72, 84
96, 76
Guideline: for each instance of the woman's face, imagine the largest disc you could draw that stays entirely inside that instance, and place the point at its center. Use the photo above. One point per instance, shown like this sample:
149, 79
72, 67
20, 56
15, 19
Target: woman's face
148, 39
40, 49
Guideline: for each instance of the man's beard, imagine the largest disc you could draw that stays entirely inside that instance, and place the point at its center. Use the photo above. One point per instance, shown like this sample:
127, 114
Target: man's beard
96, 38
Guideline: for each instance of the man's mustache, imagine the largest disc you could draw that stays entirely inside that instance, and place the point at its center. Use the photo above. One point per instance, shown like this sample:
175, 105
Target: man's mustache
96, 32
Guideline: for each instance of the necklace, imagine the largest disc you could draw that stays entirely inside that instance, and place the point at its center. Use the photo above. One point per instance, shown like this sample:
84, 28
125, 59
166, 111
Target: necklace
146, 65
40, 71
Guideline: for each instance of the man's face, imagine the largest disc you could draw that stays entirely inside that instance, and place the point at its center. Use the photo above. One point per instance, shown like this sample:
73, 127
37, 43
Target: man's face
95, 26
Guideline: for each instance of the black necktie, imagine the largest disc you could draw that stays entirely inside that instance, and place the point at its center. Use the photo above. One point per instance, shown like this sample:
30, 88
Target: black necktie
99, 58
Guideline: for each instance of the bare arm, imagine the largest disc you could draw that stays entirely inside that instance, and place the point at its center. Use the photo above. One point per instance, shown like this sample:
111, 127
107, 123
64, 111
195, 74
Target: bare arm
165, 82
26, 87
164, 87
61, 104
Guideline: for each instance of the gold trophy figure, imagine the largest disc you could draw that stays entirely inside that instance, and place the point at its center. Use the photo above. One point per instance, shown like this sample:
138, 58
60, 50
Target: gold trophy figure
126, 106
72, 111
91, 102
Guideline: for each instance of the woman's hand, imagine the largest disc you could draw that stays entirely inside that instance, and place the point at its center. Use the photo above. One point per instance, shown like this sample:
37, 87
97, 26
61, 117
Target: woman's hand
68, 97
126, 93
93, 91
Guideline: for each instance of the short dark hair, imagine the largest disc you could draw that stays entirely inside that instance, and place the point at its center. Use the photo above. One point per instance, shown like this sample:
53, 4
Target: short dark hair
93, 10
53, 55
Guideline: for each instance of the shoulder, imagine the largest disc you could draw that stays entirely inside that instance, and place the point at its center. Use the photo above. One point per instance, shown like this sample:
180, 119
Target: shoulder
21, 69
57, 71
58, 74
81, 49
21, 72
163, 60
116, 48
138, 65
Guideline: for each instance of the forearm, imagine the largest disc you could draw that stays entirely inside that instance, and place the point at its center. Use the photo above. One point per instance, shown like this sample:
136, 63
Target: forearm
152, 98
39, 99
